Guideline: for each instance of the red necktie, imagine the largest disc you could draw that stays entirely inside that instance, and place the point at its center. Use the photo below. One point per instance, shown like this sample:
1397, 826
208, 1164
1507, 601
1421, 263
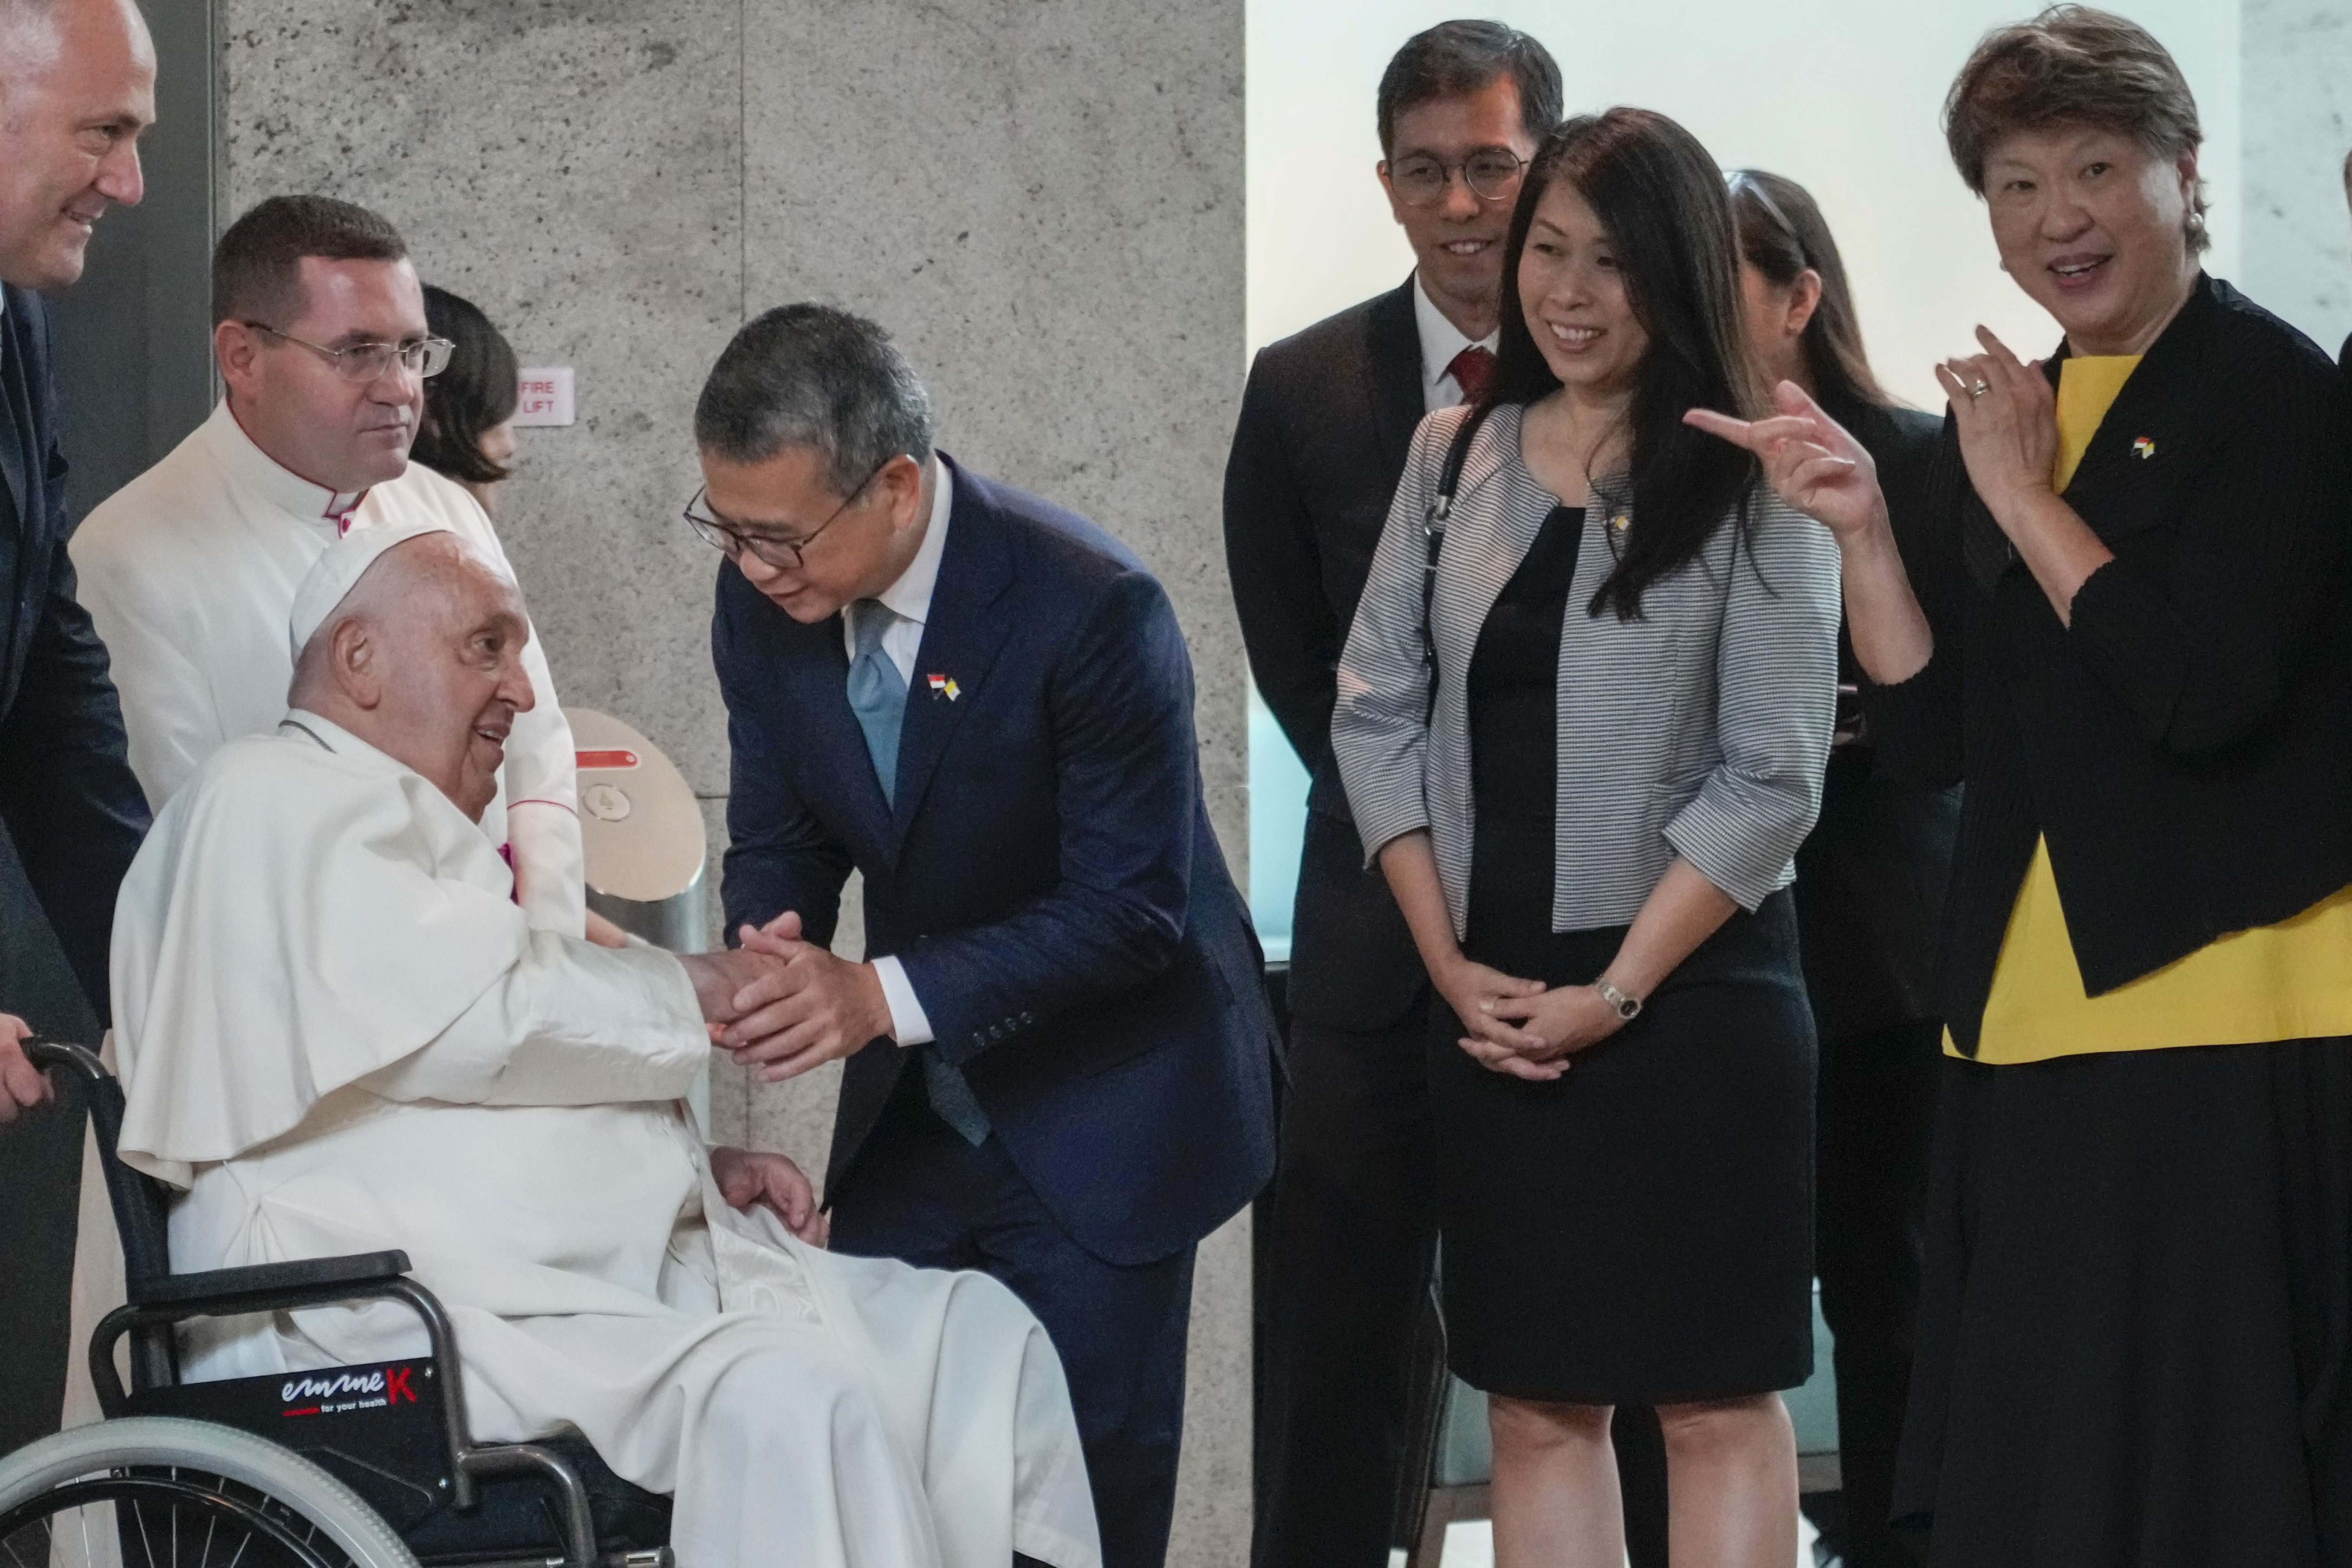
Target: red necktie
1471, 369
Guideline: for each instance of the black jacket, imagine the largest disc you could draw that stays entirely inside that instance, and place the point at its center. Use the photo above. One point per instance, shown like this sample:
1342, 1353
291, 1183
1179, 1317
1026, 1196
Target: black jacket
1873, 876
1325, 425
2186, 746
66, 794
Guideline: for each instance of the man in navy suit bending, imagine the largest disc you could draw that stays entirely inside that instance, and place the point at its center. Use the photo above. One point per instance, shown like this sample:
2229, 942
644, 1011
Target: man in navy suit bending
1059, 1056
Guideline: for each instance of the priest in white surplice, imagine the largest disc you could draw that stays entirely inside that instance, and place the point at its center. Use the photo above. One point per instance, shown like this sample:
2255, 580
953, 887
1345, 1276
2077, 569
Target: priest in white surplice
339, 1034
189, 571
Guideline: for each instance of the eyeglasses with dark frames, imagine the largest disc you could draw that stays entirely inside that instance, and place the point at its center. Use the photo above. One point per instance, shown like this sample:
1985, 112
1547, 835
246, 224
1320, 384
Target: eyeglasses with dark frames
783, 554
424, 358
1492, 174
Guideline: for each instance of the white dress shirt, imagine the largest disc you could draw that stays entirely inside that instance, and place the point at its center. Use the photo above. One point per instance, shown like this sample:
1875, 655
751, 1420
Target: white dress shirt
1440, 341
909, 601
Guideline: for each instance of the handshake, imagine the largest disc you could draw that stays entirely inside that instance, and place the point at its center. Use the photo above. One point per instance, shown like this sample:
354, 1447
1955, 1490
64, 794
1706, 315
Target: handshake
781, 1004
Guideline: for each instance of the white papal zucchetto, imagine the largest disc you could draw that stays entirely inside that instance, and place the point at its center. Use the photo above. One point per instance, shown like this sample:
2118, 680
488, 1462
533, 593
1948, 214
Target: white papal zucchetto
334, 574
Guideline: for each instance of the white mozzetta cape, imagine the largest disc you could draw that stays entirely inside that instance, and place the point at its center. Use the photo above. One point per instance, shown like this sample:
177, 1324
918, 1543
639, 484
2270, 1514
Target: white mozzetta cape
339, 1035
190, 572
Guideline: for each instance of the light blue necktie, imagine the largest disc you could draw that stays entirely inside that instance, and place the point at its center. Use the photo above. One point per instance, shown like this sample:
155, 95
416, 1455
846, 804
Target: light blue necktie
878, 696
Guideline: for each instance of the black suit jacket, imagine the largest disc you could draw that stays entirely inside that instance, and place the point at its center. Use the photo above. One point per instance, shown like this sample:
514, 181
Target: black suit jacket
67, 793
2186, 745
1873, 875
1044, 870
1326, 423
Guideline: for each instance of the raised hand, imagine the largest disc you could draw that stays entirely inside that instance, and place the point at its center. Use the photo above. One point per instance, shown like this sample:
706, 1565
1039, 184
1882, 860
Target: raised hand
1810, 461
2008, 420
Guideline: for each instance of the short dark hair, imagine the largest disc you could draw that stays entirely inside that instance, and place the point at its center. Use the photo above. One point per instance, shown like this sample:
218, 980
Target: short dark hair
810, 375
475, 393
1659, 197
2073, 64
1458, 57
1782, 235
257, 265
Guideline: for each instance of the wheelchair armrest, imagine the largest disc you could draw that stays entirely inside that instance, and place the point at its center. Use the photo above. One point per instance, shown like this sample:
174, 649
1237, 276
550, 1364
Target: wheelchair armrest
304, 1275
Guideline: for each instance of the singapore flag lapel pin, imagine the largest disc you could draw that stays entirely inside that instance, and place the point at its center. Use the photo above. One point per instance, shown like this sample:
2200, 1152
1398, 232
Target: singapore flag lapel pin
944, 686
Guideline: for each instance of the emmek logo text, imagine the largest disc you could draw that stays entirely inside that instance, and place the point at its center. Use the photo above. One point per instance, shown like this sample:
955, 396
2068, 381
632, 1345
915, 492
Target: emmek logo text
332, 1387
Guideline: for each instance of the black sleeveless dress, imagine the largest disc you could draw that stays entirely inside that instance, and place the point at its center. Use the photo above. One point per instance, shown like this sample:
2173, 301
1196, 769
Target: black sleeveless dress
1639, 1231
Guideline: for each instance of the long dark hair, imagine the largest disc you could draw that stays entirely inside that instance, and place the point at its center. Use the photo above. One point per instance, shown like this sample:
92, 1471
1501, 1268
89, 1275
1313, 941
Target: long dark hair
1661, 200
1782, 234
475, 393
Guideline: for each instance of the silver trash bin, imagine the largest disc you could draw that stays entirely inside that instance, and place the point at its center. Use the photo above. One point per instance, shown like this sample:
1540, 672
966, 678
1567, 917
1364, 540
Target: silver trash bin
641, 834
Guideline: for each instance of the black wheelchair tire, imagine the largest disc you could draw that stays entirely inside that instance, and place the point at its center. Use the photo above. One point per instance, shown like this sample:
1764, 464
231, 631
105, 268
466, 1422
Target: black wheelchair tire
96, 1462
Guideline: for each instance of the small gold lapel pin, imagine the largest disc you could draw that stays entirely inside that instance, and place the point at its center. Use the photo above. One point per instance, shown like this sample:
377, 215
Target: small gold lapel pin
2143, 447
1619, 521
945, 686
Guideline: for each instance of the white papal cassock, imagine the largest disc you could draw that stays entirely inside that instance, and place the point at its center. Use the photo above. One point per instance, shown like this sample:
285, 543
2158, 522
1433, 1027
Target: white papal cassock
339, 1035
189, 573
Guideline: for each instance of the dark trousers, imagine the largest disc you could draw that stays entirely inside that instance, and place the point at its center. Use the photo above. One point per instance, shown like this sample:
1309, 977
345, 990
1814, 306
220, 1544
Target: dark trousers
1353, 1231
1353, 1222
919, 1193
40, 1173
1877, 1112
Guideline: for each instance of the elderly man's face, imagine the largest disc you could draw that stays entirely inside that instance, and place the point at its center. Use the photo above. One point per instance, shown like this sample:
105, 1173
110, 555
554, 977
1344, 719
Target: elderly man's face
294, 401
804, 544
435, 677
76, 89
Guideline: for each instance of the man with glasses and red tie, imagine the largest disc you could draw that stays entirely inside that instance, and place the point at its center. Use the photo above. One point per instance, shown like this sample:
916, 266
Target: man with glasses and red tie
190, 569
1324, 425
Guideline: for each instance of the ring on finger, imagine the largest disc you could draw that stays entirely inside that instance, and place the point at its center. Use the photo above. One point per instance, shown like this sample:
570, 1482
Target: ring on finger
1979, 388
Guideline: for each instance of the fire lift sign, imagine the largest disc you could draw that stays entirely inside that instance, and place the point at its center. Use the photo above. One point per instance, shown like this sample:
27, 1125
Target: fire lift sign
546, 397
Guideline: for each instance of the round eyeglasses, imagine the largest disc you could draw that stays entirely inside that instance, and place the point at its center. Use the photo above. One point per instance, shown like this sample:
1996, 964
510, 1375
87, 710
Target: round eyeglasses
783, 554
1491, 172
423, 358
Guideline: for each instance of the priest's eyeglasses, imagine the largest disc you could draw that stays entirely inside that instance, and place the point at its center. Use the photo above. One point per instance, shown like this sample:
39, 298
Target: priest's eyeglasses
1491, 172
783, 554
423, 358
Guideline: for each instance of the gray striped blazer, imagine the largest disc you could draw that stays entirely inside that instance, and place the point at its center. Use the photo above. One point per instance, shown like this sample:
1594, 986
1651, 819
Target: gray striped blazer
1699, 730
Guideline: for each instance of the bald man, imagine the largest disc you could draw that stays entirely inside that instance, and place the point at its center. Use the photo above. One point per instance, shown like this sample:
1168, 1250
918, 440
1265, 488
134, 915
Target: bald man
76, 89
338, 1033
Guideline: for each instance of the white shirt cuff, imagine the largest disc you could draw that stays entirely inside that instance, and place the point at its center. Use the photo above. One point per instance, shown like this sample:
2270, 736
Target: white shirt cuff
908, 1024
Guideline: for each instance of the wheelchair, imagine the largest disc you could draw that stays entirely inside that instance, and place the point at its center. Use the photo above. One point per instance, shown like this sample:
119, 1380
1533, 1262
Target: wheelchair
346, 1467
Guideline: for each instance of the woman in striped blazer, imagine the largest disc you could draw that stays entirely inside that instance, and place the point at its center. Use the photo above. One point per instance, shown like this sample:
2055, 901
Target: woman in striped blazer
1586, 788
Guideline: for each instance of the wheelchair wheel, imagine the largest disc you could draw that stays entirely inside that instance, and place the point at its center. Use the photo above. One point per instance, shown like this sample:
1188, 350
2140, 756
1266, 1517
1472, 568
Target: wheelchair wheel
154, 1492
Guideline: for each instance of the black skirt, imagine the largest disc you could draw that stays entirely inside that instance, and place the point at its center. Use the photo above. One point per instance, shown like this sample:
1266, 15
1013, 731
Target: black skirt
2134, 1321
1640, 1230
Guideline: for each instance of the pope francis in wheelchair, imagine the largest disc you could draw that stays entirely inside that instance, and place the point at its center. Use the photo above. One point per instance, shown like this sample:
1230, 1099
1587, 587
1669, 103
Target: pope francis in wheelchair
449, 1278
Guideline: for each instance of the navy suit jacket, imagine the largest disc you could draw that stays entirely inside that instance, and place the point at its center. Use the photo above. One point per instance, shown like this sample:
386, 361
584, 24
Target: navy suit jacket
1049, 876
66, 792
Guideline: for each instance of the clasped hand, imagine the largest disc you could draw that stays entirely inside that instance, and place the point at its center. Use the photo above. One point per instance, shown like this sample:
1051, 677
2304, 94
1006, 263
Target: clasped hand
1521, 1027
784, 1004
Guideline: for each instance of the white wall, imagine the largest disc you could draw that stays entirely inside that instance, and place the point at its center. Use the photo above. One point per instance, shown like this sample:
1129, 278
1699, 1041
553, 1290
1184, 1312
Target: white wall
1843, 96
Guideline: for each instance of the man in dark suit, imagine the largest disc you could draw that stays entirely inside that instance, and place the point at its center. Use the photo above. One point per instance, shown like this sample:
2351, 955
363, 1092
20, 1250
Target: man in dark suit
1059, 1057
1324, 428
76, 88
